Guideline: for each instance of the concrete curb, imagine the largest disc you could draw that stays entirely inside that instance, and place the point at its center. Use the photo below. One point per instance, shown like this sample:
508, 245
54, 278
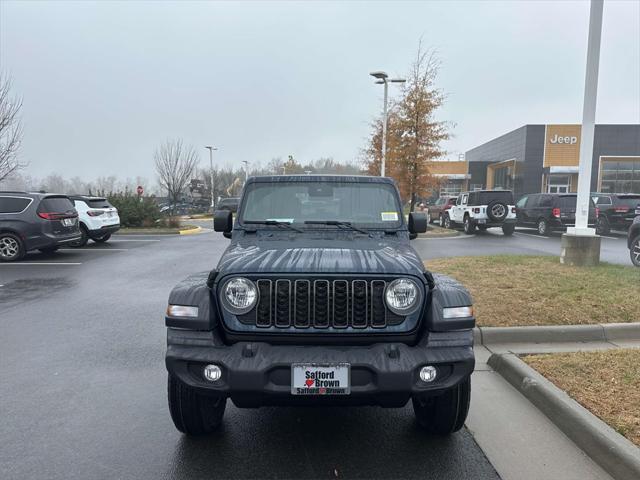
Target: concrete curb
614, 453
191, 231
560, 333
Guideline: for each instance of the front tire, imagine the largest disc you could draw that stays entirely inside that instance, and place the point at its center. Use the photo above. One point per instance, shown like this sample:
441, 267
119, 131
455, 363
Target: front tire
469, 226
11, 248
543, 227
193, 413
634, 252
447, 221
445, 413
508, 229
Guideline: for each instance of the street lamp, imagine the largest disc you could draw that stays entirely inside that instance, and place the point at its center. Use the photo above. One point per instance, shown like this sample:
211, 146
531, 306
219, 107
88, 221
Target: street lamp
211, 149
383, 79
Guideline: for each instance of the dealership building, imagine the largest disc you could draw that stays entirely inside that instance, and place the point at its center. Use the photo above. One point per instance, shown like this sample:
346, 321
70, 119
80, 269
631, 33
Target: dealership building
544, 158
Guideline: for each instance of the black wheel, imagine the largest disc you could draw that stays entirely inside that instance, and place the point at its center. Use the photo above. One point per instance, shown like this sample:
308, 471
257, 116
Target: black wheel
497, 211
11, 247
445, 413
49, 249
102, 239
508, 229
441, 220
469, 226
447, 221
193, 413
543, 227
83, 240
602, 226
635, 251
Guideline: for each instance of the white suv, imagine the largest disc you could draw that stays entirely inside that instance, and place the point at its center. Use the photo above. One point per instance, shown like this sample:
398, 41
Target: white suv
98, 219
483, 209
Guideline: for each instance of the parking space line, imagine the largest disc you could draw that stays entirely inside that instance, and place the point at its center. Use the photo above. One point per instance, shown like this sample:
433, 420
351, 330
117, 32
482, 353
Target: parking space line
10, 264
133, 240
93, 249
533, 235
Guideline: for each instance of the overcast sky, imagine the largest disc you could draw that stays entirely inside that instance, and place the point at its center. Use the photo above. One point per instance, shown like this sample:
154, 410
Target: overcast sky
104, 83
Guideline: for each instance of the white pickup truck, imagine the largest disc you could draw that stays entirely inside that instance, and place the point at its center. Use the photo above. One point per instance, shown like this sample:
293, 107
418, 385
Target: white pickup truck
483, 209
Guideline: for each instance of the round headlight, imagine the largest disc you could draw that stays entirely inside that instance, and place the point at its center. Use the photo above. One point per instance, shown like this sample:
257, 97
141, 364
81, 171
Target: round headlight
402, 296
239, 295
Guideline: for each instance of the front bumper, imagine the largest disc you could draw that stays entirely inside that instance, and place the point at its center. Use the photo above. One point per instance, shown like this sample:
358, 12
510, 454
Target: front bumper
257, 373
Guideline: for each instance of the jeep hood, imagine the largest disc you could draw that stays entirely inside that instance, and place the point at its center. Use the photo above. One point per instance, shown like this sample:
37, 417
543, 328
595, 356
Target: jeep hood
364, 256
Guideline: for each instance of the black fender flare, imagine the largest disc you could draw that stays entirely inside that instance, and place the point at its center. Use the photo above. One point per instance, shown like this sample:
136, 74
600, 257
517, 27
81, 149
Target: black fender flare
194, 291
448, 292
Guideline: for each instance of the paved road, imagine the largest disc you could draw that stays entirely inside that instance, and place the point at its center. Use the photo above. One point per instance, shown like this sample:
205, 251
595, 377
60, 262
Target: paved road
524, 242
83, 390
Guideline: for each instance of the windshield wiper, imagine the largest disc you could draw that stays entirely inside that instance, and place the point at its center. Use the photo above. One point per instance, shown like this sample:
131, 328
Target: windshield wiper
275, 223
336, 223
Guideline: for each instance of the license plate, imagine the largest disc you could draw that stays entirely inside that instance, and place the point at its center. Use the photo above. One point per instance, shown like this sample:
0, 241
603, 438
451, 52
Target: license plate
482, 220
320, 379
68, 222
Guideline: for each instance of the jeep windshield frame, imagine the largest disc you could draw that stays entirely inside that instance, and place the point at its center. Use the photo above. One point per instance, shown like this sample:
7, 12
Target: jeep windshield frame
306, 201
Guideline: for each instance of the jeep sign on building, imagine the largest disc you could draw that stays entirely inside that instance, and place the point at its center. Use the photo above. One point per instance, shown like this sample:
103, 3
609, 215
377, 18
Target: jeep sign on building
544, 158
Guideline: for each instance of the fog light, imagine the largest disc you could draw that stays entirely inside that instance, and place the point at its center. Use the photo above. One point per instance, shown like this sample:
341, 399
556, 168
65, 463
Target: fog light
212, 373
428, 374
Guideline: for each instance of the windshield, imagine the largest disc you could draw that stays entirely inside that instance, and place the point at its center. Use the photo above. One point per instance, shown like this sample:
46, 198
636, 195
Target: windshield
373, 205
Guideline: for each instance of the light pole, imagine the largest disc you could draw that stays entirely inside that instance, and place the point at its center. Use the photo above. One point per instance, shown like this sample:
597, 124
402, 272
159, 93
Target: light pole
211, 149
580, 245
246, 170
383, 79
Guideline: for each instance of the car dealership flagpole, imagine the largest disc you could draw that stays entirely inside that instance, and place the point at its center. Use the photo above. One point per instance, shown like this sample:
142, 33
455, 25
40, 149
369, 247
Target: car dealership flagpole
588, 120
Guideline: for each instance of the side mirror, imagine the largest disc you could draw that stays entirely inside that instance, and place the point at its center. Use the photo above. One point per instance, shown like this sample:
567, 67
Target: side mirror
223, 222
417, 224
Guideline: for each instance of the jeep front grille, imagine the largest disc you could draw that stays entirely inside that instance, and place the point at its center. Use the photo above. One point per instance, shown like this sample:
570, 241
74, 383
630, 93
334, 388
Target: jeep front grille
321, 303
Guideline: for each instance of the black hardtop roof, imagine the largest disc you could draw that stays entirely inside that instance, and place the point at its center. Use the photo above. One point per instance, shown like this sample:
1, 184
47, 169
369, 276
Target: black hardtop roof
485, 191
320, 178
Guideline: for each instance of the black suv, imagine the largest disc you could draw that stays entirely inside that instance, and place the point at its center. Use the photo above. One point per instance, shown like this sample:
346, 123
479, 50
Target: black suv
319, 300
35, 221
615, 211
549, 212
633, 238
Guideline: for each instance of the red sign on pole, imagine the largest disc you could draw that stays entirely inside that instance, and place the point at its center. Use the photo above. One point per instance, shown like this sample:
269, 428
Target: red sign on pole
140, 190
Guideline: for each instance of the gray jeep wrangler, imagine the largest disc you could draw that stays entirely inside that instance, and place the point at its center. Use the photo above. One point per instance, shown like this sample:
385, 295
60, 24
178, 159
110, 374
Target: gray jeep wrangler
319, 300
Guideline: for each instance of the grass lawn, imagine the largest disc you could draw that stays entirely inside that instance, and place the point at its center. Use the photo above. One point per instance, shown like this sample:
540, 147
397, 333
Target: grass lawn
607, 383
517, 290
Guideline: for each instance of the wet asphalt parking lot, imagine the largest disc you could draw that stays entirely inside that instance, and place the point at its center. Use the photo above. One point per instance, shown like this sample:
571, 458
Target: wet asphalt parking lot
83, 391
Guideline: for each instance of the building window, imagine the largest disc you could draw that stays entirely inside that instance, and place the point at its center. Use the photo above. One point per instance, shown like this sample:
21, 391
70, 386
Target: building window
559, 184
620, 175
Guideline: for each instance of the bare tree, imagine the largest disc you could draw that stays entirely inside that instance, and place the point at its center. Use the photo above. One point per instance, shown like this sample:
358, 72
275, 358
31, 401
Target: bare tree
175, 165
10, 129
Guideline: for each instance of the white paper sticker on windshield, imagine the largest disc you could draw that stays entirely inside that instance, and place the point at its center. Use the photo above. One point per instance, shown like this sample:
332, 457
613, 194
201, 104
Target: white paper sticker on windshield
281, 220
389, 216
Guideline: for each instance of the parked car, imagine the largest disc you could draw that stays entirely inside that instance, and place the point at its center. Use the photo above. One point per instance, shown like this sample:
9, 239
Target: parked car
437, 209
35, 221
324, 307
230, 204
483, 209
615, 211
633, 239
549, 212
98, 219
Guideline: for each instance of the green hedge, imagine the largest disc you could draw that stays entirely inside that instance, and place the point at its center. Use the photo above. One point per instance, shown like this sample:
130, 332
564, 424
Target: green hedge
136, 211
